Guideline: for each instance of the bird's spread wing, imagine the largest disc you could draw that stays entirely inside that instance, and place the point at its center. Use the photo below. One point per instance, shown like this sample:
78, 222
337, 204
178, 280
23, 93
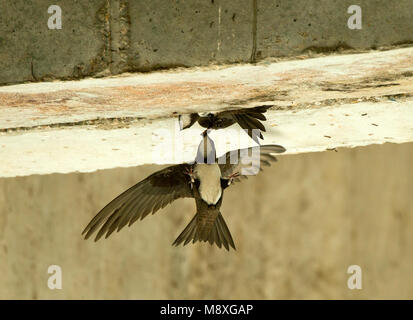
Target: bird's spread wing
149, 195
248, 161
187, 120
249, 119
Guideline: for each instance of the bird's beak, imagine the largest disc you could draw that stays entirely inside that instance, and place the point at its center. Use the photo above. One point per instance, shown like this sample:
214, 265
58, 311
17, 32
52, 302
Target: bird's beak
205, 132
181, 123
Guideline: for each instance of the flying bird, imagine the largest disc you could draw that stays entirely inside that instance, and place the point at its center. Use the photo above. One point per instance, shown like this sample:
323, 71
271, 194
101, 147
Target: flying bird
248, 119
204, 180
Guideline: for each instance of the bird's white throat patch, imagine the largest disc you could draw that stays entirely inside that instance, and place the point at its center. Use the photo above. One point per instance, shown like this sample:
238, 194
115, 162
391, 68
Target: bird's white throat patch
209, 176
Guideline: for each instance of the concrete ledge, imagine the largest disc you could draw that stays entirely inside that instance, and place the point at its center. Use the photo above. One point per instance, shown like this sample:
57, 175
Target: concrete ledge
318, 104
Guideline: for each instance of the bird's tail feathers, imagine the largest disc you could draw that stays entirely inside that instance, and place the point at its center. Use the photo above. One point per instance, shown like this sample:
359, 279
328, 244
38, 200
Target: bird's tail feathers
197, 230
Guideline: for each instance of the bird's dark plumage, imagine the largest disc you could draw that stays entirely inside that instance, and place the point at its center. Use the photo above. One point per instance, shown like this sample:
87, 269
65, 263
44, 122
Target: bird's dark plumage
248, 119
147, 196
207, 225
174, 182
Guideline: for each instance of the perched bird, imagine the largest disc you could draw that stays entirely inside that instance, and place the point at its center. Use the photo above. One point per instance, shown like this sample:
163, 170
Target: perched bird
247, 118
204, 180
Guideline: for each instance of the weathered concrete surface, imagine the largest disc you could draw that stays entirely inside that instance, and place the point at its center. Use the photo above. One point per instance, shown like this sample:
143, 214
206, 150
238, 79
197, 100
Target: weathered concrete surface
288, 85
286, 28
190, 33
30, 51
104, 37
110, 144
318, 104
297, 229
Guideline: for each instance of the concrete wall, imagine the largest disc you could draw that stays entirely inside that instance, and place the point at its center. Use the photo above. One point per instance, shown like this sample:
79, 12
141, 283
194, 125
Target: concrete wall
297, 229
103, 37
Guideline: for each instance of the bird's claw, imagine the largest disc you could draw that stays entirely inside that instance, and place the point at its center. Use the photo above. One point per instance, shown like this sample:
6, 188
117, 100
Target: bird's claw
232, 177
190, 173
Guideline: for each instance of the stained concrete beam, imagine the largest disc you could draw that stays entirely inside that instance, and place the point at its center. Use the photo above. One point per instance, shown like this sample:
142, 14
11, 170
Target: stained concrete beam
317, 104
